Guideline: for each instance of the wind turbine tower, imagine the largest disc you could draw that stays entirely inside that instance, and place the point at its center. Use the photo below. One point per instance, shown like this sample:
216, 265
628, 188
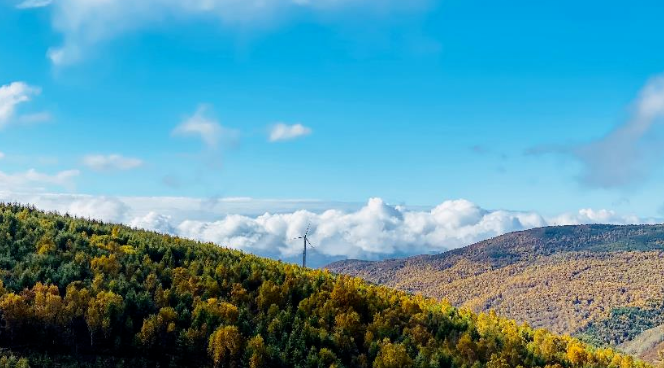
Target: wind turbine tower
305, 241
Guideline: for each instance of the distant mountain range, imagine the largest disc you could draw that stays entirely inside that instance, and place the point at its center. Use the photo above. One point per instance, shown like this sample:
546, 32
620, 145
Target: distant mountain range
602, 283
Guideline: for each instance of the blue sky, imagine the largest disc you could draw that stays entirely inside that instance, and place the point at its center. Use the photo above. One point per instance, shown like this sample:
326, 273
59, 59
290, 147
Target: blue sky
516, 106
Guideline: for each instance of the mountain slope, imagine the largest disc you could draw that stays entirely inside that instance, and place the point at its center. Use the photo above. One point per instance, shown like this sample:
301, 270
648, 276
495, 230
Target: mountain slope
568, 279
648, 344
77, 293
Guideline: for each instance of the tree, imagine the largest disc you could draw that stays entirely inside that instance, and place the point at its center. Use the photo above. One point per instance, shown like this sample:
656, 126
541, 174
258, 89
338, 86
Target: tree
224, 345
103, 311
392, 356
576, 353
47, 305
214, 313
497, 361
257, 352
15, 312
158, 330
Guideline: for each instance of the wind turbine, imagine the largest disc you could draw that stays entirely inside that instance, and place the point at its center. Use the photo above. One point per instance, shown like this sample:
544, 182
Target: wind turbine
306, 241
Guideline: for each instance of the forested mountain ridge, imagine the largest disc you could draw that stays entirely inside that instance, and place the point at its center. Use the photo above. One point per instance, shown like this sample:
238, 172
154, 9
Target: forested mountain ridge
521, 246
78, 293
603, 283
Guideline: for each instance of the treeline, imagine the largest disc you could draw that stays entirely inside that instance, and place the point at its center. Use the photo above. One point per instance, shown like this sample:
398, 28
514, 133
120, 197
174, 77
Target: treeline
81, 293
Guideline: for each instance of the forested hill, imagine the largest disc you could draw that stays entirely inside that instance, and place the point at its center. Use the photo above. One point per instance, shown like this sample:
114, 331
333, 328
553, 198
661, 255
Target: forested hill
519, 246
77, 293
603, 283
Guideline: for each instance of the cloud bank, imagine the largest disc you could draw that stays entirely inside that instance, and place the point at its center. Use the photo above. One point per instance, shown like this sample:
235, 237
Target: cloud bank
375, 230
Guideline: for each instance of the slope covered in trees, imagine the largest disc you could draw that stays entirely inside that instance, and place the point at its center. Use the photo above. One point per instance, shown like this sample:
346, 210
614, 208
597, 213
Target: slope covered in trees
77, 293
603, 283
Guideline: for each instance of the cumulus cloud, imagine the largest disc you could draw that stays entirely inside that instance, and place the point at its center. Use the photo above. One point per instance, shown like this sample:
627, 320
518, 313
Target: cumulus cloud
374, 230
628, 154
102, 208
205, 127
591, 216
153, 221
285, 132
84, 23
111, 162
377, 230
11, 95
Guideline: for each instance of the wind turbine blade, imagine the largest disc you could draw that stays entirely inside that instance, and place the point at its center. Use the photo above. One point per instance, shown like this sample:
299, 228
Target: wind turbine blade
310, 243
307, 232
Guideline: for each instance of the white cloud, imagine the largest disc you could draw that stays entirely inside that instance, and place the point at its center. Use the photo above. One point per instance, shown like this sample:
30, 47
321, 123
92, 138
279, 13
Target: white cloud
102, 208
284, 132
628, 155
111, 162
2, 155
590, 216
37, 180
84, 23
12, 95
208, 129
375, 230
153, 221
31, 4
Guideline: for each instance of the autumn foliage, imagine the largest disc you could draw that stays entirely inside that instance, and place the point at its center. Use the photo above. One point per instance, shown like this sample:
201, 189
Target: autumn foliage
599, 282
78, 293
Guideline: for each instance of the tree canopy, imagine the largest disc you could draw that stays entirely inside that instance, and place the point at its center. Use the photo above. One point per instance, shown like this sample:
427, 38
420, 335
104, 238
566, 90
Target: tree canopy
81, 293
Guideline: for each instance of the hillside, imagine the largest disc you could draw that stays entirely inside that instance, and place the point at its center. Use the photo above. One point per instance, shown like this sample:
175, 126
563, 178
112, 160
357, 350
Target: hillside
603, 283
77, 293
